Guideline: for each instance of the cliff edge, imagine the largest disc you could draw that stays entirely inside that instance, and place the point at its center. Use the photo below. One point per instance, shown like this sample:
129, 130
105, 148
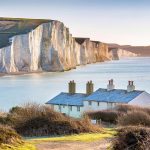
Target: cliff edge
47, 46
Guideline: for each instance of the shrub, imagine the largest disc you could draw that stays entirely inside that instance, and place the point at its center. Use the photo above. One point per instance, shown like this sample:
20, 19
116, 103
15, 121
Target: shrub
132, 138
3, 118
105, 115
9, 136
123, 115
36, 120
124, 108
134, 118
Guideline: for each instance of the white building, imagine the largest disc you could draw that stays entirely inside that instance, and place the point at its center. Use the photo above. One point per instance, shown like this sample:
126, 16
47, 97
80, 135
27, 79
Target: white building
74, 104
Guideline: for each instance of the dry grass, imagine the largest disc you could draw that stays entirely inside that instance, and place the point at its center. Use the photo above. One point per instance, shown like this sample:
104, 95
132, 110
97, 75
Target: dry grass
123, 115
132, 138
84, 137
134, 118
37, 120
104, 115
133, 115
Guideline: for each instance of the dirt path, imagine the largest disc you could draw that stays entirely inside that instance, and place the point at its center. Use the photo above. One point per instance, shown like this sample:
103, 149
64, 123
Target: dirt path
98, 145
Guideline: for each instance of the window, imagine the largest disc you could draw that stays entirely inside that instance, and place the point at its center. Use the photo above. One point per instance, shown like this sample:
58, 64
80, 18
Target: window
90, 103
70, 108
78, 108
98, 103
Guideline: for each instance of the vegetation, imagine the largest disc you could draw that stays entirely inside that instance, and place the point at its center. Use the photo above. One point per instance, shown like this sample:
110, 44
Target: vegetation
132, 138
134, 118
110, 116
24, 146
84, 137
8, 135
9, 139
123, 115
16, 26
37, 120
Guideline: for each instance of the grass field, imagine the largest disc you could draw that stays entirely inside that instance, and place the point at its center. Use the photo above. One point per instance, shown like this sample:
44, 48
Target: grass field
25, 146
87, 137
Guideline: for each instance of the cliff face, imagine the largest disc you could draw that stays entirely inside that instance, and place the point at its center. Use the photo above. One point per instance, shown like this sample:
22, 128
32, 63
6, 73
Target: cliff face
116, 54
50, 47
139, 50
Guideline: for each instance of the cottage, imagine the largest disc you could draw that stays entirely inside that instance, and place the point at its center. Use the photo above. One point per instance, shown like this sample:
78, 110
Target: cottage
74, 104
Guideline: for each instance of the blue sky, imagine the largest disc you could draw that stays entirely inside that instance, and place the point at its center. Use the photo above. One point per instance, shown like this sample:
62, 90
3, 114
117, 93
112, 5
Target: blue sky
113, 21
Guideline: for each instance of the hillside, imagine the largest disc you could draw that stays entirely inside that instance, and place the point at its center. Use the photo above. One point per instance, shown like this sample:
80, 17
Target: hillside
142, 50
15, 26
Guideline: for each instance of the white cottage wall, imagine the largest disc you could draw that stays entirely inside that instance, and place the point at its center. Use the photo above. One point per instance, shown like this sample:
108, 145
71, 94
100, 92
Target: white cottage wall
142, 100
68, 111
94, 105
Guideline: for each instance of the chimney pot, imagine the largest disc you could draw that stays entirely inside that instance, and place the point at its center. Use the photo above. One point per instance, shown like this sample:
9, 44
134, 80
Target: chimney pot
110, 85
72, 87
89, 87
130, 86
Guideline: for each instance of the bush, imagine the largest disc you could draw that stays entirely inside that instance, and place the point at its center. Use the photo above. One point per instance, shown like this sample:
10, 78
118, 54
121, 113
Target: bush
9, 136
124, 108
132, 138
134, 118
106, 115
123, 115
36, 120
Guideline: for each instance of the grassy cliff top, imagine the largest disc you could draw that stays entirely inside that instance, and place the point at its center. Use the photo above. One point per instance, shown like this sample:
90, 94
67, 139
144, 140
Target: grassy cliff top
15, 26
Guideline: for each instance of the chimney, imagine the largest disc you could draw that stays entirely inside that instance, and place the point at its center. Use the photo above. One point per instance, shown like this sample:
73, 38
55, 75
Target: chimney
110, 85
130, 86
89, 87
72, 87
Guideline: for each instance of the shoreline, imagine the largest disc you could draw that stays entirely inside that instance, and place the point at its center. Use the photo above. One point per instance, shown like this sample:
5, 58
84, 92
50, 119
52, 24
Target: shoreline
19, 73
32, 72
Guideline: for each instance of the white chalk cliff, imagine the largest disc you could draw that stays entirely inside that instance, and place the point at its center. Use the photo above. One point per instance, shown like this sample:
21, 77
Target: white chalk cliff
50, 47
116, 54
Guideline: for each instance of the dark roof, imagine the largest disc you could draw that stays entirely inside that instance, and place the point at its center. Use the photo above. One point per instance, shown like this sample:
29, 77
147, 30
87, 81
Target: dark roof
116, 95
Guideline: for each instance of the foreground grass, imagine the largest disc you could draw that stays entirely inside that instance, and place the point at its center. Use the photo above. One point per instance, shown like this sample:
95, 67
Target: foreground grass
25, 146
86, 137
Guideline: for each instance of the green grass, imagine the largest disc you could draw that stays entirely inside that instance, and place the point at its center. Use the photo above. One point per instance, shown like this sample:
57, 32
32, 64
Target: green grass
21, 19
86, 137
25, 146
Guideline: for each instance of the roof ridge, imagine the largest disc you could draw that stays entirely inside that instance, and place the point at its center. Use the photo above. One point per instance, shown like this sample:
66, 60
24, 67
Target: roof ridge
120, 89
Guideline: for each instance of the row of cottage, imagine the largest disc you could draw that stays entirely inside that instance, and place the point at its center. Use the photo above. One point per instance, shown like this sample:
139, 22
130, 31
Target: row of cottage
75, 104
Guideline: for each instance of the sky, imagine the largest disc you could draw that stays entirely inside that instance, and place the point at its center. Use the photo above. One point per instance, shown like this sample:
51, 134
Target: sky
125, 22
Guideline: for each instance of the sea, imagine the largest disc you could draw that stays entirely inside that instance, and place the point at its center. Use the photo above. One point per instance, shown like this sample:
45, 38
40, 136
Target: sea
17, 90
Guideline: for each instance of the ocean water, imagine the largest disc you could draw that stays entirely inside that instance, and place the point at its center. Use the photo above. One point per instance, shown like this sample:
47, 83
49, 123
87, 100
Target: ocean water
41, 87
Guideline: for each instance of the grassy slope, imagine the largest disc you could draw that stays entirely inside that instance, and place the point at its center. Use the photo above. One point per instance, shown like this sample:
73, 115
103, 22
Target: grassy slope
19, 26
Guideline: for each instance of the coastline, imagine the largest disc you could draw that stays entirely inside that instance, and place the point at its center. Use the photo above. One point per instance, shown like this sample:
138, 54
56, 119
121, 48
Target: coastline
19, 73
32, 72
